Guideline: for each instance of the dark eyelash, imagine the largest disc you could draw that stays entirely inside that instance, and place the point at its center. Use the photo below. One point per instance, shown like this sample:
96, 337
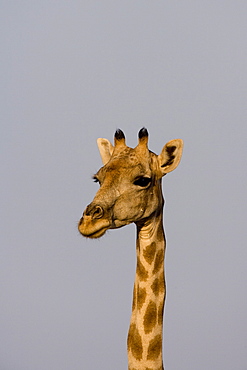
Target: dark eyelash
142, 181
95, 179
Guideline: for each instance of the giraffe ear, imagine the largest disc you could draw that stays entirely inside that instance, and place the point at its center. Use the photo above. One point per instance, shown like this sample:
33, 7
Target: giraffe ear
170, 156
105, 149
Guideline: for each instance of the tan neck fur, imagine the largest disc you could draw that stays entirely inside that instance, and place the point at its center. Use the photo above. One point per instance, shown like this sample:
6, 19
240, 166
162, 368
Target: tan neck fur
145, 333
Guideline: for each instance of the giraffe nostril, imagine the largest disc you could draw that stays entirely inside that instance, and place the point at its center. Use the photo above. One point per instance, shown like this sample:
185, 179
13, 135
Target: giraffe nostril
97, 212
94, 211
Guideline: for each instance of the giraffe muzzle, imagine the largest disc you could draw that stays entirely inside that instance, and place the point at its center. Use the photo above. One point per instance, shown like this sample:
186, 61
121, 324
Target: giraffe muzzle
93, 223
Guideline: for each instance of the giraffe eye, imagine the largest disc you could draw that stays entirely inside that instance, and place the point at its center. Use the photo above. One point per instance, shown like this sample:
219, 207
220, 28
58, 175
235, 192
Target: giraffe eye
95, 179
142, 181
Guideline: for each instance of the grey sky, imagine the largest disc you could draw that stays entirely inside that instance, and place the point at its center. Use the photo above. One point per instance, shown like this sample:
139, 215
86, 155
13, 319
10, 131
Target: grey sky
75, 71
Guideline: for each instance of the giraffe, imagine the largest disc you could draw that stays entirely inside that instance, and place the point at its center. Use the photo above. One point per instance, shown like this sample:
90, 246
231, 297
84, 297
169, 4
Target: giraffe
130, 191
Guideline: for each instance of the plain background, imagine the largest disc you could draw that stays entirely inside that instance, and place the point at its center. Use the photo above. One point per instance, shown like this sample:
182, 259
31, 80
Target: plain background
73, 71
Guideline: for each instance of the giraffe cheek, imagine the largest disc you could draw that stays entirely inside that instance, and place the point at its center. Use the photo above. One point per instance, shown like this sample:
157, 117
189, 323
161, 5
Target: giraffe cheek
127, 209
125, 216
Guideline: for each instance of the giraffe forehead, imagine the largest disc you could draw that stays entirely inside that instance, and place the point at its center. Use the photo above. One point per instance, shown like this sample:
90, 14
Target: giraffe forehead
127, 163
131, 158
128, 154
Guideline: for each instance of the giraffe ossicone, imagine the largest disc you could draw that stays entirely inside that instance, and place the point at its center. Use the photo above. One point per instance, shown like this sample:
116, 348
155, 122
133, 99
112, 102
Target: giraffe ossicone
130, 191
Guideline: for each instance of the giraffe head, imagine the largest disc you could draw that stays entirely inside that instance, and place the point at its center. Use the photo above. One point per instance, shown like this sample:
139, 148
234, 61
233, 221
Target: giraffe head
130, 183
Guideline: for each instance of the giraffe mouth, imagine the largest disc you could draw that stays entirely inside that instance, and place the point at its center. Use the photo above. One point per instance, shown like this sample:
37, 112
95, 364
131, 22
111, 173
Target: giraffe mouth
96, 234
91, 229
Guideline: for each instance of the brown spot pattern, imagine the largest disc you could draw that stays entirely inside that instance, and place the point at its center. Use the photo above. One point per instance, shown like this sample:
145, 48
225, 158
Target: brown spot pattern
160, 313
141, 271
149, 252
159, 260
155, 286
150, 317
154, 348
162, 284
141, 297
135, 342
134, 299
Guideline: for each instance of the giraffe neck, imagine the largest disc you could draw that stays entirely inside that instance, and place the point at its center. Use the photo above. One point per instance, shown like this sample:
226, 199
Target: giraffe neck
145, 332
